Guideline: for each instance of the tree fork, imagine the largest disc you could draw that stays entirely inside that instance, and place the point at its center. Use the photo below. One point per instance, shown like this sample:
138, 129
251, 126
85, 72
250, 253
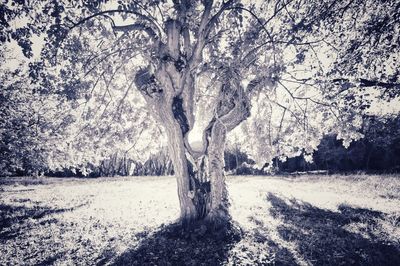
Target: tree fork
200, 176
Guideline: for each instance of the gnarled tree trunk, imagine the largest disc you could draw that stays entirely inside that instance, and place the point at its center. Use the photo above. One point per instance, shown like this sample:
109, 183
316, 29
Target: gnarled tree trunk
200, 174
205, 168
177, 153
168, 87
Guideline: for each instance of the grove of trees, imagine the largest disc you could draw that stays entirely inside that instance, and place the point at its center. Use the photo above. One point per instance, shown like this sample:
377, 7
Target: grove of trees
135, 76
377, 152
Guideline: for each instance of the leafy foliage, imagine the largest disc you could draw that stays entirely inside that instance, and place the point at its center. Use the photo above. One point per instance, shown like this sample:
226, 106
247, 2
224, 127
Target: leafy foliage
307, 67
377, 151
27, 140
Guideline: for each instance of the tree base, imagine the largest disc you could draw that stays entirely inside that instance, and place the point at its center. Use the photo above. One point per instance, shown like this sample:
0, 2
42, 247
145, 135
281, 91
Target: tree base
217, 229
218, 219
217, 223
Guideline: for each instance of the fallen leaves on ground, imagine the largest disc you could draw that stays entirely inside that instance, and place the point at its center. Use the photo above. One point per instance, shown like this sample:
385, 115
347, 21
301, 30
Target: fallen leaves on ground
131, 221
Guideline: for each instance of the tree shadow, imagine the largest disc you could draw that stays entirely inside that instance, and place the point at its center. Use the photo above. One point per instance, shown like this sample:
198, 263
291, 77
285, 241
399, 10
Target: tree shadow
323, 237
258, 248
51, 259
172, 245
12, 218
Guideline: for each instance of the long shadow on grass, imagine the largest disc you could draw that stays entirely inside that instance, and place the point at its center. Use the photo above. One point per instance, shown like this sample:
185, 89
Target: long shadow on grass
13, 217
171, 245
321, 237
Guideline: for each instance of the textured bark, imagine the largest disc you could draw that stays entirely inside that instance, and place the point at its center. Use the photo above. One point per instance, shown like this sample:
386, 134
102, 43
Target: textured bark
168, 87
200, 175
218, 213
176, 149
206, 168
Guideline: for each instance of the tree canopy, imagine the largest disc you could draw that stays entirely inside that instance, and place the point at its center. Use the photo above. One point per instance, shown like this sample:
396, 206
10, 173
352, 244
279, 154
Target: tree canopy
190, 72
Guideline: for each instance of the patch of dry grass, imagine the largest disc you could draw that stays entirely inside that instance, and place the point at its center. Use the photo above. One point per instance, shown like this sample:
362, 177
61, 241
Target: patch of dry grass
304, 220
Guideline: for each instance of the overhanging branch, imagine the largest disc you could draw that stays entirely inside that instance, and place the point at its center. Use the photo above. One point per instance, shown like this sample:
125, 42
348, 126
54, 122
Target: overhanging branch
367, 83
137, 27
102, 13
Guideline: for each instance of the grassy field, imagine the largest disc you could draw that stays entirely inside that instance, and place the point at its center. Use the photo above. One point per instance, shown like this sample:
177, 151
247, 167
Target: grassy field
304, 220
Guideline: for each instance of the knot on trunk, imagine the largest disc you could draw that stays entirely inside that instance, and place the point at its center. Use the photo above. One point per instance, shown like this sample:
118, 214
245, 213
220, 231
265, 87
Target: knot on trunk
146, 82
180, 63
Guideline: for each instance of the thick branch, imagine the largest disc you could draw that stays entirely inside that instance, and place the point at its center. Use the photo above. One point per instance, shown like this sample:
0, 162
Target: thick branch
206, 25
102, 13
367, 83
139, 27
200, 43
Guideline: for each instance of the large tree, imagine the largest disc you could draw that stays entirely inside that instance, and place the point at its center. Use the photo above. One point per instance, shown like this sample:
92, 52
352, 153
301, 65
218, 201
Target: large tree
200, 66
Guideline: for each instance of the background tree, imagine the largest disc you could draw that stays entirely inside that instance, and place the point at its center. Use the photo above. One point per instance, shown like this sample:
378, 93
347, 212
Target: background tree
191, 59
376, 152
26, 126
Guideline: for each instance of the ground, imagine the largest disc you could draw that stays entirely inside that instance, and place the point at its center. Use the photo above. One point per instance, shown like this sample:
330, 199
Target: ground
297, 220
